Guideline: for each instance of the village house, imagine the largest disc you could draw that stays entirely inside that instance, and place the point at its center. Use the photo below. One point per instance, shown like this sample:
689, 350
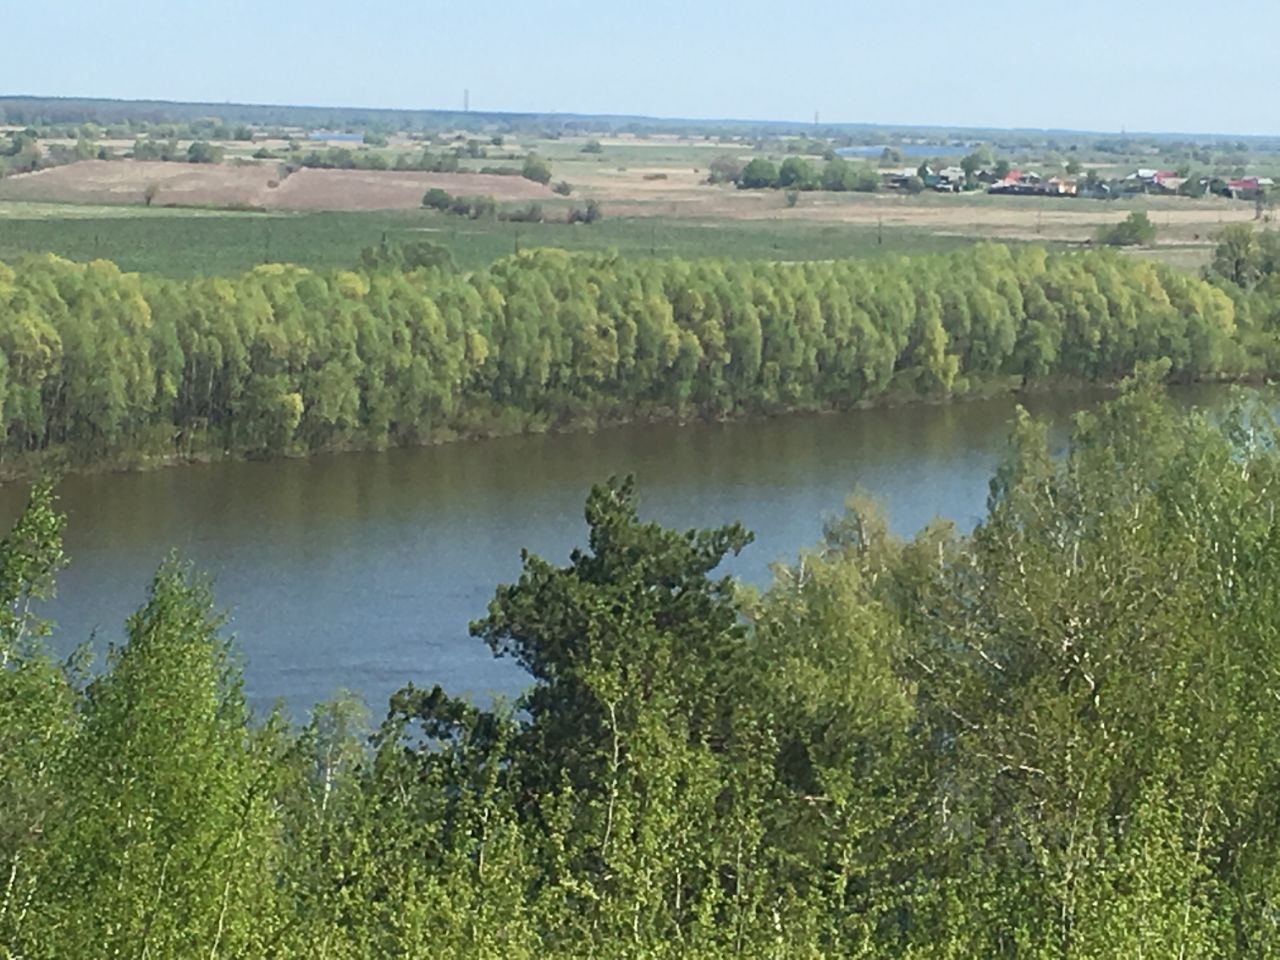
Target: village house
1028, 183
1153, 181
1248, 188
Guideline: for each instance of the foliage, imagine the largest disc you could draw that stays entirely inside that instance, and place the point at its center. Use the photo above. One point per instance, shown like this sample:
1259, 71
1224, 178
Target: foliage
840, 175
536, 169
437, 199
592, 146
401, 257
798, 174
202, 152
533, 213
591, 213
890, 157
1058, 736
103, 365
1245, 257
1134, 230
725, 168
758, 174
974, 163
474, 207
343, 158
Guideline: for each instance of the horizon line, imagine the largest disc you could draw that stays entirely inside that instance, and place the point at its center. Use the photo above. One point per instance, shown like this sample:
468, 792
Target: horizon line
653, 118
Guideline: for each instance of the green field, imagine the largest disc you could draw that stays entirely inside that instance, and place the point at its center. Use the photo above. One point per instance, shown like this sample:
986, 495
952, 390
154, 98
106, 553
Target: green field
181, 243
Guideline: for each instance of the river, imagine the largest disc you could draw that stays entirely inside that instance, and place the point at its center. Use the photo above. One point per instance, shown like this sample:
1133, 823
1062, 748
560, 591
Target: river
362, 571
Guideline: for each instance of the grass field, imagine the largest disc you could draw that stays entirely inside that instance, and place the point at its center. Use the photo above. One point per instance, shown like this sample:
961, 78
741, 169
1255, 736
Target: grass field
188, 242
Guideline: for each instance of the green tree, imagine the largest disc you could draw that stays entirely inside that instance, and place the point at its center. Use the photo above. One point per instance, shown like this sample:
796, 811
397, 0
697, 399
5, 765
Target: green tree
797, 173
758, 174
437, 199
890, 157
166, 842
1241, 255
536, 169
203, 152
840, 174
725, 168
980, 159
1134, 230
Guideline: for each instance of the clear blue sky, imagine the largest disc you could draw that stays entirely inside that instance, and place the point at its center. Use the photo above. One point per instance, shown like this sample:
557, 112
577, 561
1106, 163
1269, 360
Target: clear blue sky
1175, 65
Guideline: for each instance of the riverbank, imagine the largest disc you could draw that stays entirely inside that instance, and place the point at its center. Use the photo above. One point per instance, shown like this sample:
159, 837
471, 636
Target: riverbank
57, 461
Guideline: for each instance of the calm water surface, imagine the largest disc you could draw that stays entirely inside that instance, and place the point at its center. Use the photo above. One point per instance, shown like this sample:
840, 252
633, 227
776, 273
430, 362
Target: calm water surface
362, 571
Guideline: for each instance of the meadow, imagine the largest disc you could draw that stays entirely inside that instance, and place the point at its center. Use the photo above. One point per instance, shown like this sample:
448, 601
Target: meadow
184, 242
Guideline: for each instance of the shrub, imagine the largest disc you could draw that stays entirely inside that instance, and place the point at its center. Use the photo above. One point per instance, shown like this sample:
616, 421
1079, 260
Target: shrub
530, 214
725, 168
437, 199
1134, 230
592, 214
202, 152
536, 169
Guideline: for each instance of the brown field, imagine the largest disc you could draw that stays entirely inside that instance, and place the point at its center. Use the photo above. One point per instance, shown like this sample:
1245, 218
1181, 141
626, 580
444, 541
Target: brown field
685, 193
1186, 227
110, 181
250, 185
388, 190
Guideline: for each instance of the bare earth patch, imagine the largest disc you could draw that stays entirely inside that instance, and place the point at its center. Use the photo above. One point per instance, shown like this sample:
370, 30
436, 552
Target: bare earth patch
391, 190
123, 181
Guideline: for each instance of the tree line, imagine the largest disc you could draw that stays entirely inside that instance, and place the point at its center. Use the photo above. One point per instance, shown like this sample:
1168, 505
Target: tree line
21, 153
794, 173
99, 365
1055, 737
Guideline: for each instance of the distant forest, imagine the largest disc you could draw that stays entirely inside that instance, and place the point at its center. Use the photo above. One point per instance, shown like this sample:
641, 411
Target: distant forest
34, 110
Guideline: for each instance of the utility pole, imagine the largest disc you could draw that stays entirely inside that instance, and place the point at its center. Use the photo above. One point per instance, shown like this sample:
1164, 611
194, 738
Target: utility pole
880, 231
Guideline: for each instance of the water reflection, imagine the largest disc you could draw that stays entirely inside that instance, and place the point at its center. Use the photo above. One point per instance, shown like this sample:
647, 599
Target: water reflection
362, 571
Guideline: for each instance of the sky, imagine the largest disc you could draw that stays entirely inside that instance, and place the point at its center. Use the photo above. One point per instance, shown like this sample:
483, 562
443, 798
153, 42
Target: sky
1172, 66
